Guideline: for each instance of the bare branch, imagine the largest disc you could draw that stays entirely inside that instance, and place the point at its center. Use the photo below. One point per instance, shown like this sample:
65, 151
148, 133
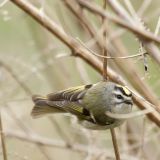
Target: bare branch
4, 151
130, 8
157, 27
151, 48
78, 49
113, 134
104, 50
3, 3
144, 6
133, 28
10, 71
39, 140
106, 57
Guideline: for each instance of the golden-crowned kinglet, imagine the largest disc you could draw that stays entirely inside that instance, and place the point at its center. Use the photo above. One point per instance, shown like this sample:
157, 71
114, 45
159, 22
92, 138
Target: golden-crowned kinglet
89, 103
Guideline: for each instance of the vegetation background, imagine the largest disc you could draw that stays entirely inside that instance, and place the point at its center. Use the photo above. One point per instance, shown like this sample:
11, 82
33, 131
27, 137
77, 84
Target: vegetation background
32, 61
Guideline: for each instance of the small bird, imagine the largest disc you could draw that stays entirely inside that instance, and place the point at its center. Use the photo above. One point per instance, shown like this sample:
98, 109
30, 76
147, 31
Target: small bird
89, 103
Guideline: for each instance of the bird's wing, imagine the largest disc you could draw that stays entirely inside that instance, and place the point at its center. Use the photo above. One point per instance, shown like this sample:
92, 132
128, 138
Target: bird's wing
71, 94
70, 101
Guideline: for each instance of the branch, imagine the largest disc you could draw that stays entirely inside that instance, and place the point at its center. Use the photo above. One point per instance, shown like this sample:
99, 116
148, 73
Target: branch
105, 78
82, 19
131, 25
104, 24
21, 125
115, 145
10, 71
138, 31
4, 151
77, 49
130, 71
151, 48
39, 140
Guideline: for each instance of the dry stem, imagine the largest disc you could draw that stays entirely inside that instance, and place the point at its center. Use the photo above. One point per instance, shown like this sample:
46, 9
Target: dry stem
115, 145
79, 50
105, 78
4, 151
138, 31
104, 25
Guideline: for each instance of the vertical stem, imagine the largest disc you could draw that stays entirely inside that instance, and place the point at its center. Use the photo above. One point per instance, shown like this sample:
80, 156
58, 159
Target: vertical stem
105, 77
4, 152
115, 145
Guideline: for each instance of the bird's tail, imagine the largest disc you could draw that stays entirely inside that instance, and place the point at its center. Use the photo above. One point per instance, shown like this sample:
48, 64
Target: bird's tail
41, 107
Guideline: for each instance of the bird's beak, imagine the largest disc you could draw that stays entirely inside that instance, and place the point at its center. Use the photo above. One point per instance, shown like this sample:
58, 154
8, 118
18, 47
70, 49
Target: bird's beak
128, 102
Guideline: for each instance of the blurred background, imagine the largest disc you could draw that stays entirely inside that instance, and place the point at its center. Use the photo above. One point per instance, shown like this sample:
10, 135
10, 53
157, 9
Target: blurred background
32, 61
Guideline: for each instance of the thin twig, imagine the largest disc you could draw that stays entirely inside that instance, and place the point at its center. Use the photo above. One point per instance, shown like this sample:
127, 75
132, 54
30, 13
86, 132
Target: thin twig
9, 70
114, 140
4, 151
28, 132
79, 51
83, 20
129, 24
130, 8
106, 57
157, 27
3, 3
143, 7
28, 92
150, 47
104, 22
105, 78
132, 71
99, 11
48, 142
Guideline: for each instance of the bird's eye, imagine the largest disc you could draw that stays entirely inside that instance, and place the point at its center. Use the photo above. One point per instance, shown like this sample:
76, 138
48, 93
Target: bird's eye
118, 96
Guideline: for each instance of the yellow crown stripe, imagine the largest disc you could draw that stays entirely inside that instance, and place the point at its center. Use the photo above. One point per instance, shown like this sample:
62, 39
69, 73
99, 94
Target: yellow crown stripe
127, 92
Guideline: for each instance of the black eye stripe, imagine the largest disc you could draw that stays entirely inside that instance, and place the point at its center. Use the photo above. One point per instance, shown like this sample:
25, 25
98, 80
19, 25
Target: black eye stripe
119, 96
122, 91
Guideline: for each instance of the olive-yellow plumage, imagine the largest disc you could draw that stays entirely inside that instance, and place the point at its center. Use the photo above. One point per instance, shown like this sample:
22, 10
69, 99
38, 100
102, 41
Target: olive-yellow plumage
89, 103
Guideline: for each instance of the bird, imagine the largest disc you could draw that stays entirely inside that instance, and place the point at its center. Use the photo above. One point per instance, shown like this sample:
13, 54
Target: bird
89, 103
